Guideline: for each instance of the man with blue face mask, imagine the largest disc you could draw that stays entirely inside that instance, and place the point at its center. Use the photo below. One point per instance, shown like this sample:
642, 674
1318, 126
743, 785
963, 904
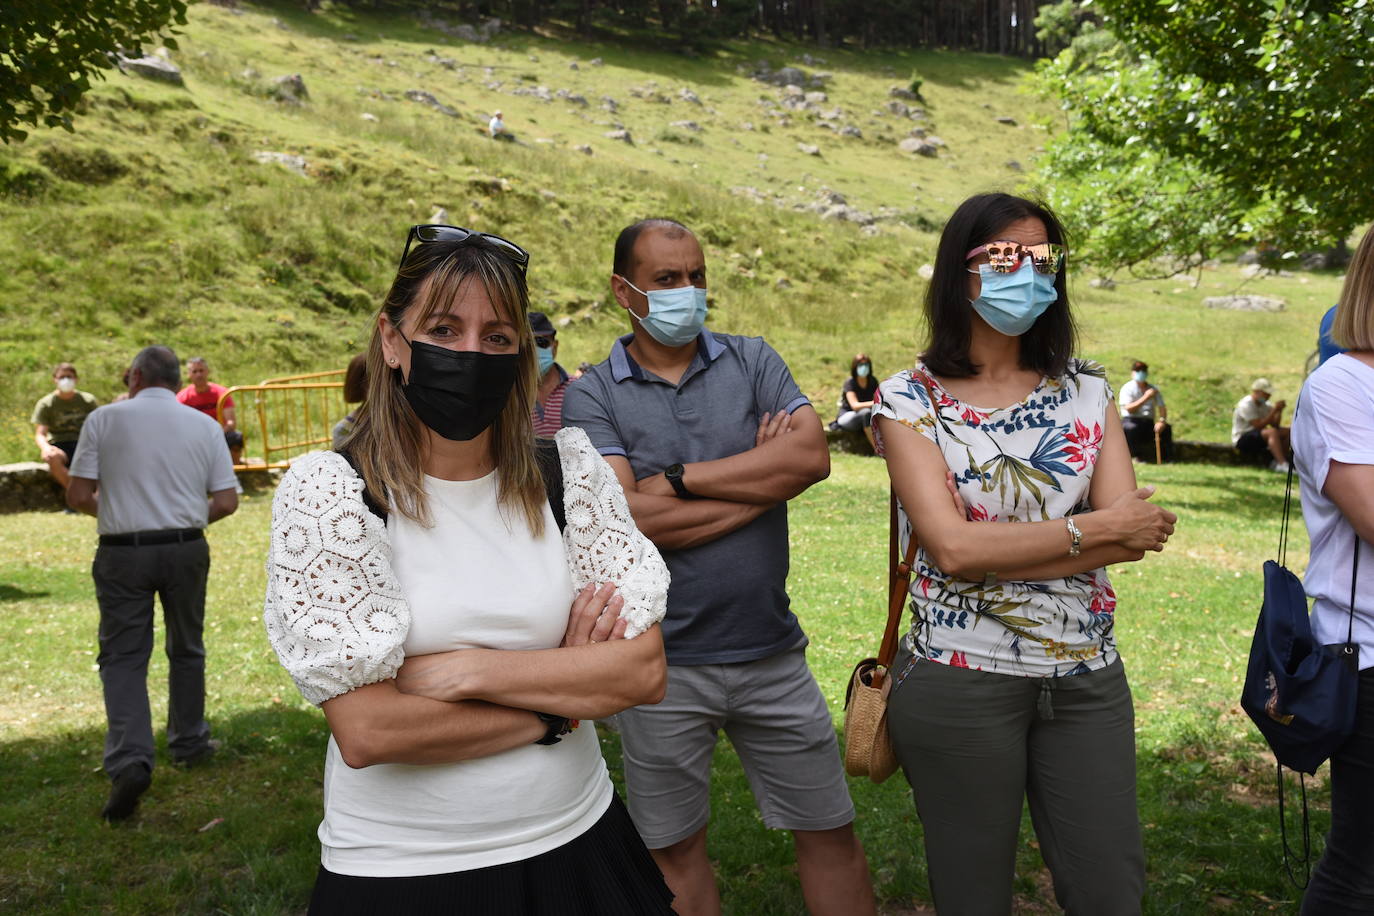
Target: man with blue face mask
710, 436
553, 378
1143, 414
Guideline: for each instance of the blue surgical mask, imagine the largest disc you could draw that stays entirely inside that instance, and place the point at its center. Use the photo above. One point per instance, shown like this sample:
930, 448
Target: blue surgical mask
862, 370
676, 316
545, 355
1139, 375
1010, 303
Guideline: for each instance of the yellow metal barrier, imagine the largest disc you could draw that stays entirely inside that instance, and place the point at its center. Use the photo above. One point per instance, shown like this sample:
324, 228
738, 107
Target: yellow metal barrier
307, 377
292, 419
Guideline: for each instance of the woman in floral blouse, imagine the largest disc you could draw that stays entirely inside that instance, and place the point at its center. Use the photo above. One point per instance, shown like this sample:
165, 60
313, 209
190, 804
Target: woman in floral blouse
1009, 686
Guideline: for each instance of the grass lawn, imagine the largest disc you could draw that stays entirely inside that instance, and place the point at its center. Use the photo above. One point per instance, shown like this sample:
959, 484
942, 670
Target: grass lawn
237, 836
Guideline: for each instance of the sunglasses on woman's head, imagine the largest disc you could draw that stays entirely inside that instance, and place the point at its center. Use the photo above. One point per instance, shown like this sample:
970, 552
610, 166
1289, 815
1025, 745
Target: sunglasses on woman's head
1005, 257
435, 232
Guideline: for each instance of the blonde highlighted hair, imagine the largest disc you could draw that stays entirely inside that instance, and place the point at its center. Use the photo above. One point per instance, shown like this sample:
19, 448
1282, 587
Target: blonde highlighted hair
1353, 327
388, 438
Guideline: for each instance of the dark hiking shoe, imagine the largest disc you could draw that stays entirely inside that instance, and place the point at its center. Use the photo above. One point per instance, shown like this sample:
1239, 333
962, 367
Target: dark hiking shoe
201, 755
125, 789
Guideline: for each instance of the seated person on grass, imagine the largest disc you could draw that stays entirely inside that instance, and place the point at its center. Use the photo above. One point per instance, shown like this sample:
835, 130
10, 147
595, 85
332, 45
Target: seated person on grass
57, 419
204, 395
1256, 427
1142, 417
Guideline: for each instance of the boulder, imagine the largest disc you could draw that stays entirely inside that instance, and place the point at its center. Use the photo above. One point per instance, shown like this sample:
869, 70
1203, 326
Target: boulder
1245, 303
439, 216
919, 146
1010, 122
789, 76
574, 66
609, 104
902, 92
369, 116
595, 62
583, 148
849, 130
817, 98
809, 149
925, 271
154, 68
425, 98
693, 126
290, 89
1102, 283
1014, 166
899, 109
689, 96
289, 161
622, 135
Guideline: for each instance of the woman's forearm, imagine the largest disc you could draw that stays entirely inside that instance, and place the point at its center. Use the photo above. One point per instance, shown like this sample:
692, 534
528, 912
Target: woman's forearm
380, 724
584, 682
1089, 559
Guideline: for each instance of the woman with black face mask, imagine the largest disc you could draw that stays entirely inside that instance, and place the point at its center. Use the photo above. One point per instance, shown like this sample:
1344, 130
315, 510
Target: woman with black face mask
421, 592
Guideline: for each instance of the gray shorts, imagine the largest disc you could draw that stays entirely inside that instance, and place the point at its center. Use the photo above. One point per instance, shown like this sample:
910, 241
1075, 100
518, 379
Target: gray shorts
780, 726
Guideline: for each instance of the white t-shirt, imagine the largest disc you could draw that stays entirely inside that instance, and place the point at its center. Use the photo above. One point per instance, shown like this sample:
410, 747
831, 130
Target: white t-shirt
1133, 390
476, 579
1248, 410
1335, 422
496, 126
155, 461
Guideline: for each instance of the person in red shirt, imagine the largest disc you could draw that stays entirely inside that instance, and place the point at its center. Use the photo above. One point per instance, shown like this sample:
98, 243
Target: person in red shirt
204, 395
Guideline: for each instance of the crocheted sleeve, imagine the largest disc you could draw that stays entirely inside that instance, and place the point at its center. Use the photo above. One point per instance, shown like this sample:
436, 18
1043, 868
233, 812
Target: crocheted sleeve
334, 610
601, 539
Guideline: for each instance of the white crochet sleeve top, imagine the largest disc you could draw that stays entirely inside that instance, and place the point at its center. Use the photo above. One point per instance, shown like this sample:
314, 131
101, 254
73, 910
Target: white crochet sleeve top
334, 610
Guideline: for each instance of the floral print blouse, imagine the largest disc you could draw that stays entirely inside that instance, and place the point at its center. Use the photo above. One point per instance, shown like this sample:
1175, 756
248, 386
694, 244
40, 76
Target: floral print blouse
1031, 461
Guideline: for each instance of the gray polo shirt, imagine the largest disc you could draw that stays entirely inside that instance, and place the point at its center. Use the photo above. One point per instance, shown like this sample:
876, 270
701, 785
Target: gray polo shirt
155, 462
728, 599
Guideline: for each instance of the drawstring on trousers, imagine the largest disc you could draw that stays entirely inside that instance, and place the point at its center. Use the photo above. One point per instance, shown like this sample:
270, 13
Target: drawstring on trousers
1044, 704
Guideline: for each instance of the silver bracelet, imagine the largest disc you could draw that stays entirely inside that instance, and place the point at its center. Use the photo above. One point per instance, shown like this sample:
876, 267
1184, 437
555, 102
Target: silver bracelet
1075, 538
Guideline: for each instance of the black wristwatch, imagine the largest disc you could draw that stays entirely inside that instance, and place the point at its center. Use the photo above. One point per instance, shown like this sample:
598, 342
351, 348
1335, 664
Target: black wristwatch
558, 726
674, 474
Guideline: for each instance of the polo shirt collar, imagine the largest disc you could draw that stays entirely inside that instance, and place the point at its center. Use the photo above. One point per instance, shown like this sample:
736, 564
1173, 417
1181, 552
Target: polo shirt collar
623, 365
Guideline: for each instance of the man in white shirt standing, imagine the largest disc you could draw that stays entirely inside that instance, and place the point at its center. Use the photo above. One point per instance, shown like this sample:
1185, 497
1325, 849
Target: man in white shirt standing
154, 464
1256, 425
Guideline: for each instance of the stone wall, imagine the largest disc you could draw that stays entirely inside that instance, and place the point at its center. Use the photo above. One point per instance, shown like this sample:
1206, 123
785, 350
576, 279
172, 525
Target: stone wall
27, 486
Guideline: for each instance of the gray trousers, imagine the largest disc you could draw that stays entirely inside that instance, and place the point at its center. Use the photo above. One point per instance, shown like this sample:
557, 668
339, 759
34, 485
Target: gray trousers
126, 579
973, 745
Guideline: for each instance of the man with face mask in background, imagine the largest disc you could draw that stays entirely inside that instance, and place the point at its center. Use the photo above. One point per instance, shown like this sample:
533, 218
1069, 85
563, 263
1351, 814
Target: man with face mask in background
553, 378
710, 436
57, 420
1143, 417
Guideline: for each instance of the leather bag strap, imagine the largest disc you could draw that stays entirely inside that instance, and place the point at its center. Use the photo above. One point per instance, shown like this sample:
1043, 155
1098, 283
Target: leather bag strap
900, 580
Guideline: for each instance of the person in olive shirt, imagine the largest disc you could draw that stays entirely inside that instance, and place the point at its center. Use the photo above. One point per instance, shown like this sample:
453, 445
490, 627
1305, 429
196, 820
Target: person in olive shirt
57, 419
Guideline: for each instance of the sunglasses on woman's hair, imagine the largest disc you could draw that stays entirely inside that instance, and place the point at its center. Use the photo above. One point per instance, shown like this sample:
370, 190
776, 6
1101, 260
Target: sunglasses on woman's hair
1005, 257
434, 232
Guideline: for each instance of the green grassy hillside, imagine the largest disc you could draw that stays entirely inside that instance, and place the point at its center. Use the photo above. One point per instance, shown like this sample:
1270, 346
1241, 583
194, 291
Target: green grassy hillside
156, 223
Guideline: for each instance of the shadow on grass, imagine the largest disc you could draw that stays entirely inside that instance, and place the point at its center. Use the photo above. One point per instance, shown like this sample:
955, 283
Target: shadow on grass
11, 593
236, 835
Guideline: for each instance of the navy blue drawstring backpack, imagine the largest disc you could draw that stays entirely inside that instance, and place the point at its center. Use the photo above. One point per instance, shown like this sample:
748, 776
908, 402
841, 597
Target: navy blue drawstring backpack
1300, 695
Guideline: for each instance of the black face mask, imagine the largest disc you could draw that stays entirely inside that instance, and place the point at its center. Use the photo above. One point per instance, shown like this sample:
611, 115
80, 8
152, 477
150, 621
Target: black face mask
458, 393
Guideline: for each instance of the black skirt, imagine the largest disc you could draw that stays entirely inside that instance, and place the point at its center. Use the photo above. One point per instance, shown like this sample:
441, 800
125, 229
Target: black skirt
606, 871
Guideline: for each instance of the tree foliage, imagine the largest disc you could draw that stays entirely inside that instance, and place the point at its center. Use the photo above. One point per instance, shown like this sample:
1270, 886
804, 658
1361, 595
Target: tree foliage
1202, 123
50, 50
996, 26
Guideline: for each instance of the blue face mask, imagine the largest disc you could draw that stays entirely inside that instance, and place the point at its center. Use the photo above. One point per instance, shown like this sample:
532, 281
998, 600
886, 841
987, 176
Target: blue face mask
1139, 375
545, 355
862, 370
1010, 303
676, 316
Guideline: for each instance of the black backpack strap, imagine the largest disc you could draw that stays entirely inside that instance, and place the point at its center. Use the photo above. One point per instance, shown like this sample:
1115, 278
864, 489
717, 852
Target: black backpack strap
551, 466
373, 506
